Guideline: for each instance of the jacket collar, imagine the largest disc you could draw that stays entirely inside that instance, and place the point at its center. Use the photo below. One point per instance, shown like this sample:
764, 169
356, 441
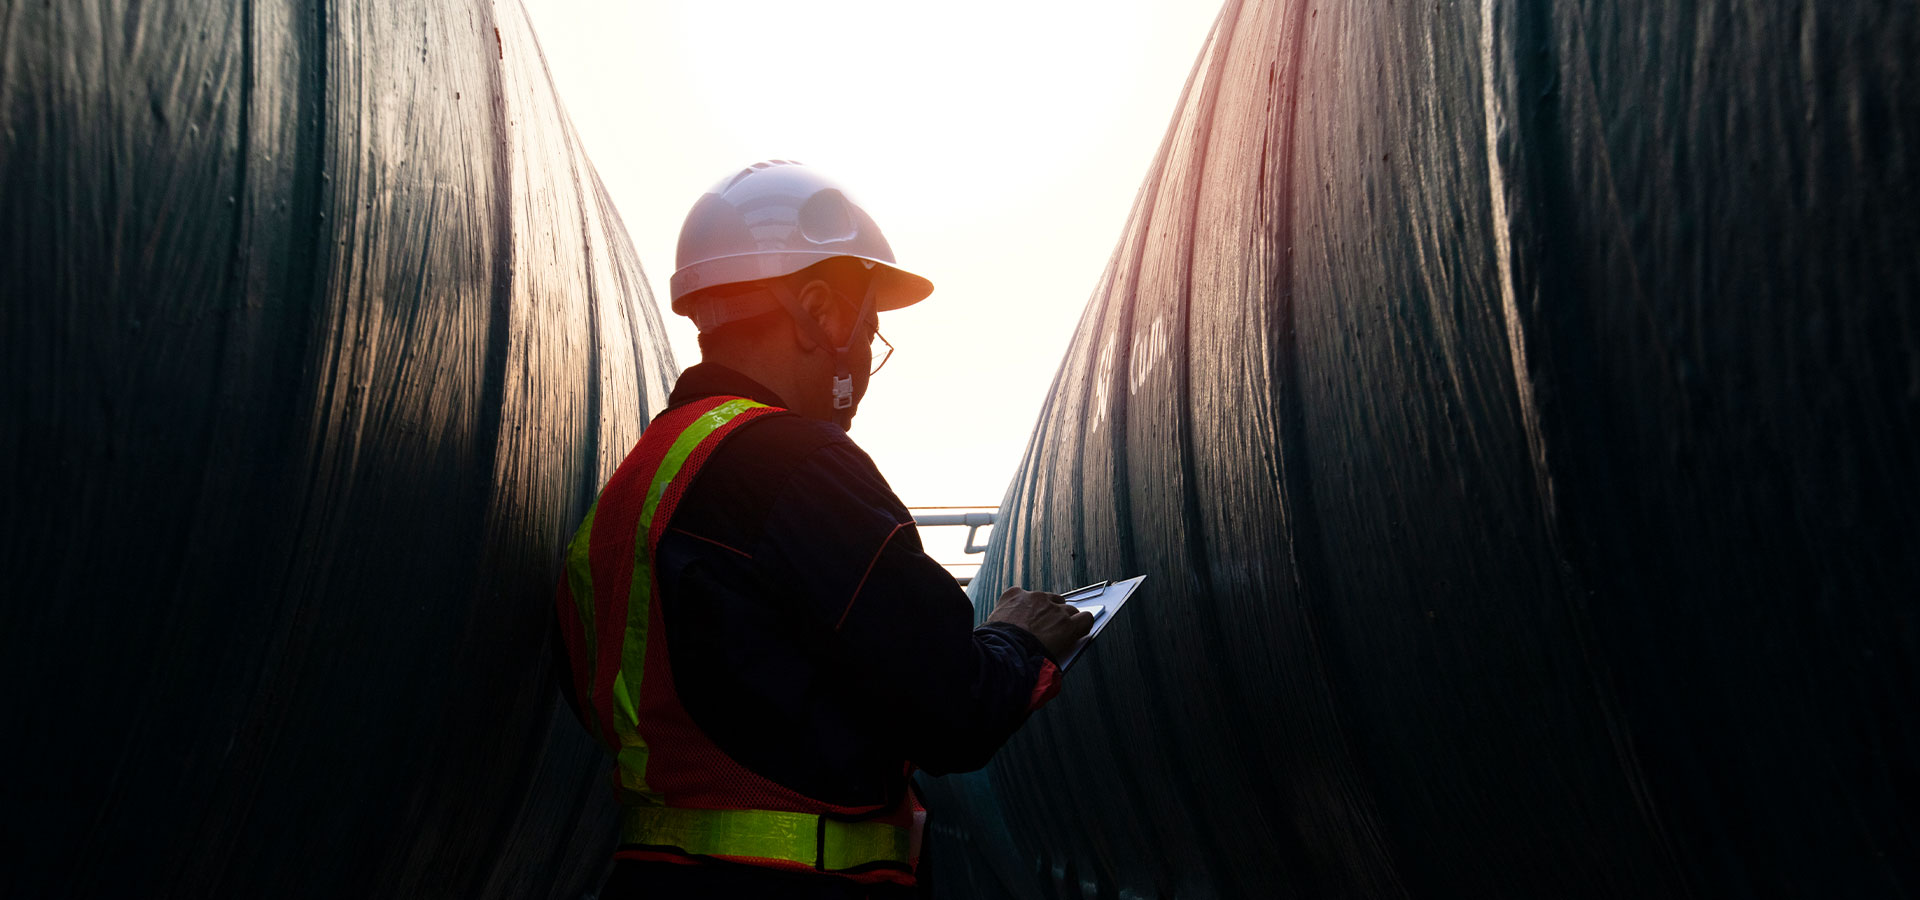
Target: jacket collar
714, 380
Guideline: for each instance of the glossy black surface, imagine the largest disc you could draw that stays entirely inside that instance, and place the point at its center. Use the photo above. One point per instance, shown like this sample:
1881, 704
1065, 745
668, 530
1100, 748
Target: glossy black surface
320, 334
1515, 407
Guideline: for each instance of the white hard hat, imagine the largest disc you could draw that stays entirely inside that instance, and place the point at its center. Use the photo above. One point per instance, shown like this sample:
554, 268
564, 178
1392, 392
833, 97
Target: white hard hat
775, 218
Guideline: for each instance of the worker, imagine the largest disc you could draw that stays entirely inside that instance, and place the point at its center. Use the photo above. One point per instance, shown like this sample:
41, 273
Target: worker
751, 623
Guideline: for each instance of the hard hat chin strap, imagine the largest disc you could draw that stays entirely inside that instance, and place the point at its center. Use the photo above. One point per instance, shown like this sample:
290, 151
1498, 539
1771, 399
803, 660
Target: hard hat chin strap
842, 373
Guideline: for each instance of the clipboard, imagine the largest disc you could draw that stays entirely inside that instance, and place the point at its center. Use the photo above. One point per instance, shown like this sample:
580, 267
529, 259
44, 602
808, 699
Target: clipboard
1104, 599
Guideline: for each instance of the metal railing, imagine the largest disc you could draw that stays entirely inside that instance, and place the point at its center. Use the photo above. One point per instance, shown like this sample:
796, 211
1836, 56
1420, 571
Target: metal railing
926, 516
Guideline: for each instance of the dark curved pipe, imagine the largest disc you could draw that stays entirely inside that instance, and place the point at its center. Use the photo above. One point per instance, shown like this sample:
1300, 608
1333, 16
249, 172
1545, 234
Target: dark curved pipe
1516, 407
321, 333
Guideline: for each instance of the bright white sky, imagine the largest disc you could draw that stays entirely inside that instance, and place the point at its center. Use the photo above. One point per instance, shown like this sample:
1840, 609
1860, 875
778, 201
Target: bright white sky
998, 144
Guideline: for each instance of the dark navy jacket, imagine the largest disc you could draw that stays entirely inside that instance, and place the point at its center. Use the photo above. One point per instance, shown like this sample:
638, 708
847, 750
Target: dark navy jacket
810, 636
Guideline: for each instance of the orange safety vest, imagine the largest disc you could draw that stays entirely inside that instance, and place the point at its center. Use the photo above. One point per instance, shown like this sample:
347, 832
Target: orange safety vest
682, 798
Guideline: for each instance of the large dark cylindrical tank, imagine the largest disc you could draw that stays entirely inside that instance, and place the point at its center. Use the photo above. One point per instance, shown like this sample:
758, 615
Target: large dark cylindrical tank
1516, 408
320, 334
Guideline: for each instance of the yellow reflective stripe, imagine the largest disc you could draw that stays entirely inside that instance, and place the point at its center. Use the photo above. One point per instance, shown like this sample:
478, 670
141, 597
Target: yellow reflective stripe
623, 696
633, 651
767, 834
580, 585
631, 764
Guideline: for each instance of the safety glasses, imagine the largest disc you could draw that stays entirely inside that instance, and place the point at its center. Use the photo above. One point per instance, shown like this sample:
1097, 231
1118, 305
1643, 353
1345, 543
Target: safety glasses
881, 357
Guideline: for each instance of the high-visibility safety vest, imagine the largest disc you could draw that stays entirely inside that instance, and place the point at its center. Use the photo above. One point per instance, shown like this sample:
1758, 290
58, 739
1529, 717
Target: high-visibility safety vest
682, 797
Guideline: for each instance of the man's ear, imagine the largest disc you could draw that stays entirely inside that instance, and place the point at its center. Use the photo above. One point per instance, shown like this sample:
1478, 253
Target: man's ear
818, 302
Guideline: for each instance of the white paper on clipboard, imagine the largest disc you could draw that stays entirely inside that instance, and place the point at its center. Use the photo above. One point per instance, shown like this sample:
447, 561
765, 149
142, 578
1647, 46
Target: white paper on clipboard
1104, 601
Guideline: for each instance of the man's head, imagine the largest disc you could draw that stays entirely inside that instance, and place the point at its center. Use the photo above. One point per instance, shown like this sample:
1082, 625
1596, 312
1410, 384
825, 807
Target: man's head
801, 356
783, 273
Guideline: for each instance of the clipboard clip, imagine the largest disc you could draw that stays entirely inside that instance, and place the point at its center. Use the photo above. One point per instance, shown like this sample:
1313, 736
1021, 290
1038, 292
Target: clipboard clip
1088, 589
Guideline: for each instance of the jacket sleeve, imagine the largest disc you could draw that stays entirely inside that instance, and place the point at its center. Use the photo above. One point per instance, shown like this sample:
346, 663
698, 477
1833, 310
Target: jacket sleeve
953, 693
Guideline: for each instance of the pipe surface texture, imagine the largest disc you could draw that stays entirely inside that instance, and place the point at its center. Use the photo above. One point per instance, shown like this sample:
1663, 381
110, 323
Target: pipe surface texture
321, 334
1513, 406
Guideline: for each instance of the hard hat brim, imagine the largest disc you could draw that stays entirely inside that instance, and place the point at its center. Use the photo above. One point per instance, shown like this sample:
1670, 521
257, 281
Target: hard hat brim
897, 287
